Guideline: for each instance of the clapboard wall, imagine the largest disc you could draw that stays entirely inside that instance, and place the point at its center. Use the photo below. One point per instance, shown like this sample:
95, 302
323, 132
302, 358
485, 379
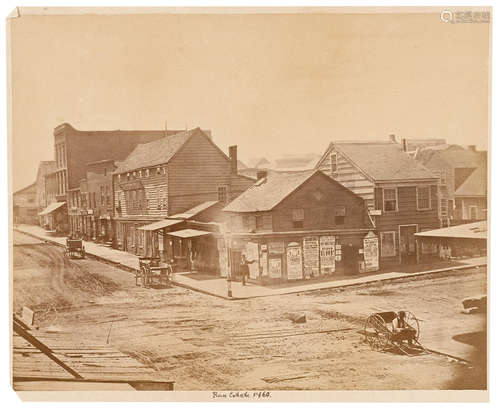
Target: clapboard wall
349, 176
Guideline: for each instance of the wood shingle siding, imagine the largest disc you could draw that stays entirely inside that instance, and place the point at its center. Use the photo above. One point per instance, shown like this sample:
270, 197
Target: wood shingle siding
349, 176
195, 173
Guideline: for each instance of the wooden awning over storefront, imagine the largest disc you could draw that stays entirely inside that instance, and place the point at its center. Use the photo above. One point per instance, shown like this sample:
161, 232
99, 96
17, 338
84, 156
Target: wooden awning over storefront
52, 207
189, 233
164, 223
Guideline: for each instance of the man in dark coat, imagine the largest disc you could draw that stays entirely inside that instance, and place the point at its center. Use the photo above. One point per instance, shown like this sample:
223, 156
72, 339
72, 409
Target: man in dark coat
244, 270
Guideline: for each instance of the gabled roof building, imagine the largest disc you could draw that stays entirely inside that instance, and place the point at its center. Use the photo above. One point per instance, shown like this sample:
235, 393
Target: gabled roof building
400, 193
298, 225
183, 181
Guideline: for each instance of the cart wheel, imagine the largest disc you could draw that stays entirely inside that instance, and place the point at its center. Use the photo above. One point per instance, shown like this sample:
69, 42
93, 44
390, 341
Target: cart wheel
376, 333
412, 322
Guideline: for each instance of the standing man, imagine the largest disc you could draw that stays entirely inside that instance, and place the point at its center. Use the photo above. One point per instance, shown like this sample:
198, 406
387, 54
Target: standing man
244, 270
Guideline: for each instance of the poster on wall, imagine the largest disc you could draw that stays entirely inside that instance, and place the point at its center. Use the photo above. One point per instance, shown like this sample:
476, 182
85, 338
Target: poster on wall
294, 261
327, 254
275, 267
252, 254
263, 263
311, 256
370, 251
223, 260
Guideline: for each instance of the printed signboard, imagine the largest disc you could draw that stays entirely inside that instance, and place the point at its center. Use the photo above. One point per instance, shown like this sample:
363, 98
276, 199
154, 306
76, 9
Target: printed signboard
327, 254
223, 260
370, 251
311, 256
263, 263
275, 267
294, 261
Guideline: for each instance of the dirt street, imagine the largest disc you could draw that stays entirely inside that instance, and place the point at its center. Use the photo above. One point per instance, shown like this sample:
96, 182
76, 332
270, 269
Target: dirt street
207, 343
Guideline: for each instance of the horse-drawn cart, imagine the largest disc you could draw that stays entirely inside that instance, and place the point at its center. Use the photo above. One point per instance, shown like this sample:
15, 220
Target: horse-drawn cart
152, 272
74, 247
391, 330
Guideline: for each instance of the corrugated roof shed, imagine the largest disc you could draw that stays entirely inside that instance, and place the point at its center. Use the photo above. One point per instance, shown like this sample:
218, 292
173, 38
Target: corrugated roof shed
476, 184
157, 152
383, 161
268, 192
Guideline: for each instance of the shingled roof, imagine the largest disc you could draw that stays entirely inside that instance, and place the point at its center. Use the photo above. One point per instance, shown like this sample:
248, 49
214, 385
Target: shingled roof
454, 155
268, 192
475, 185
156, 152
382, 161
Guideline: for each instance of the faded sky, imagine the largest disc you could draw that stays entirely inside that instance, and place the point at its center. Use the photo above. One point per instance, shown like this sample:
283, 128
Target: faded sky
272, 84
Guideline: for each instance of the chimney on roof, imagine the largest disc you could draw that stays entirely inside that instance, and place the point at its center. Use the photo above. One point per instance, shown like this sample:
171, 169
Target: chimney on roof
405, 146
261, 173
472, 148
233, 158
392, 137
166, 129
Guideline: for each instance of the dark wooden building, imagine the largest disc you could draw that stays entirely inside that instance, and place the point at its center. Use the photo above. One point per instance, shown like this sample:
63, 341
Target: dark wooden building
297, 225
175, 179
400, 194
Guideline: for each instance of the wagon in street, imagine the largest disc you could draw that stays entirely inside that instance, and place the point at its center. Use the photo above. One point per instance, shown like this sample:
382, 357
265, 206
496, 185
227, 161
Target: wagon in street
74, 248
152, 272
391, 330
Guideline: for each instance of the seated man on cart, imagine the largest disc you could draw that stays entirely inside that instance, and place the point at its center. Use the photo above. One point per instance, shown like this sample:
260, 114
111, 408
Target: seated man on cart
401, 330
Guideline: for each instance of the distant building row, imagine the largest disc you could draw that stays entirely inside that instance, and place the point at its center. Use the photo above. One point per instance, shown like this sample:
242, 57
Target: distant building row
176, 195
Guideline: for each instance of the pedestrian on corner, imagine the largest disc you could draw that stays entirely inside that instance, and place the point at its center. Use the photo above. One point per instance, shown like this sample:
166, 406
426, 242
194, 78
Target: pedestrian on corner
244, 270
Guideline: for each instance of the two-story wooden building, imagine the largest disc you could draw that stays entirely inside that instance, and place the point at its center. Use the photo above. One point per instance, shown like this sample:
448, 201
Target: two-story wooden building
400, 193
168, 182
297, 225
454, 165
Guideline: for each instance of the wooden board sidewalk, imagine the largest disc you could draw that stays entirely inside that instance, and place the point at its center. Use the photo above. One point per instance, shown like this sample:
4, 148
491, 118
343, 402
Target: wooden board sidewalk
54, 357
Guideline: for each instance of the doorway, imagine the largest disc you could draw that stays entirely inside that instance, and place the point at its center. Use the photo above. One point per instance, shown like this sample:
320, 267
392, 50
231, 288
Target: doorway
407, 244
